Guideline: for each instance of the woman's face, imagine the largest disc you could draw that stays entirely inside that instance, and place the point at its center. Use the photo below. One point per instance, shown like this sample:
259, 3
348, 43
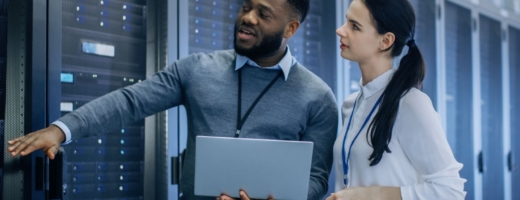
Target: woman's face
358, 36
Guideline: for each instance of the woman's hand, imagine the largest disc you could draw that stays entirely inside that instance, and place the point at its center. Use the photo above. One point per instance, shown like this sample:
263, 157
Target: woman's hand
367, 193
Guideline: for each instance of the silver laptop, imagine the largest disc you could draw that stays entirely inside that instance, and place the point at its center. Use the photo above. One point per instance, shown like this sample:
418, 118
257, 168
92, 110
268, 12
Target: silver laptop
260, 167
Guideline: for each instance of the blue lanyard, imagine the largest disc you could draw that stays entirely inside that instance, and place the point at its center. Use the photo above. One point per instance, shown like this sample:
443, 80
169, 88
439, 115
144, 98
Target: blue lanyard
345, 160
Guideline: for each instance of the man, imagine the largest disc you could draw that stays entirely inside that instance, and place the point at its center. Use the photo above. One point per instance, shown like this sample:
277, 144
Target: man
217, 90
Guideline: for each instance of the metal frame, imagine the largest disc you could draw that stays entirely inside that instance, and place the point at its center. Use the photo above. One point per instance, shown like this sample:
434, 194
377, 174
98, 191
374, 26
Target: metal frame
173, 113
506, 123
477, 112
441, 63
182, 52
149, 190
54, 66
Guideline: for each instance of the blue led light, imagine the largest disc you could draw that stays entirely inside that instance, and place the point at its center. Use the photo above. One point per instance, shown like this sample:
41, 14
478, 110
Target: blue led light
67, 77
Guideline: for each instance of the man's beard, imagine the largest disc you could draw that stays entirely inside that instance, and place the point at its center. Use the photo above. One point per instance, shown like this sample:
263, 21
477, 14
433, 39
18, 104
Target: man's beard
268, 45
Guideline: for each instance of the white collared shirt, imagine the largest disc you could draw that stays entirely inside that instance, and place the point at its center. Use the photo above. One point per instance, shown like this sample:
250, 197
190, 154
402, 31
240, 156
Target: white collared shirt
285, 64
421, 162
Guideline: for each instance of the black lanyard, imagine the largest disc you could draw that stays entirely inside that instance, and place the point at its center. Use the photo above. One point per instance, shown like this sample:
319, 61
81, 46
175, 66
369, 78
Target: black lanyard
241, 121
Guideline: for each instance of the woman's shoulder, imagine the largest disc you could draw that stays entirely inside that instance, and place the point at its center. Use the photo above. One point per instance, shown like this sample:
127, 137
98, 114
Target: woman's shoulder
416, 103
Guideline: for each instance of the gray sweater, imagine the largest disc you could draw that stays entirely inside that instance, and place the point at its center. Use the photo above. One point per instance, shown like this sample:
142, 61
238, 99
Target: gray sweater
301, 108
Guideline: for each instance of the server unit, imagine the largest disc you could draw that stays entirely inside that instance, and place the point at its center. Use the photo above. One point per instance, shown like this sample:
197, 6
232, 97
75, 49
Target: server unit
104, 49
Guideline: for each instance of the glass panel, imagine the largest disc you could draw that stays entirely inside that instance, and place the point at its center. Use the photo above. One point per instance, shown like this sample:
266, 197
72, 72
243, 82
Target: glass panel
104, 49
514, 71
491, 88
459, 93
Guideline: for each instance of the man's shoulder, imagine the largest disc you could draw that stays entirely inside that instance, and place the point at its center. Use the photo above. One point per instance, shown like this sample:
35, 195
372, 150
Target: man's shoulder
219, 56
308, 79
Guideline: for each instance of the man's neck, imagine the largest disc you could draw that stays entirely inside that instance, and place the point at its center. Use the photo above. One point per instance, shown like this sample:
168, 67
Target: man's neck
271, 59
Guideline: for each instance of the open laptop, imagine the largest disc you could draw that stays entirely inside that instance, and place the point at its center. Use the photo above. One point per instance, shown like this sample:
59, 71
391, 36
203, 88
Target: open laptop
261, 167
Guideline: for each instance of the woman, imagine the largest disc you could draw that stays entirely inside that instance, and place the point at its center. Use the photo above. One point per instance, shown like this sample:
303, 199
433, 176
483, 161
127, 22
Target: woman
392, 145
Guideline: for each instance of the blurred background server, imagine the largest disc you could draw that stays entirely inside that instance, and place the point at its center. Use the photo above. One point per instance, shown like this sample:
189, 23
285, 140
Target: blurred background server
57, 55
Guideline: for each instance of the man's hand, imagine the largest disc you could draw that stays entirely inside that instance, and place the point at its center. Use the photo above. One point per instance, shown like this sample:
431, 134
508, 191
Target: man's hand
243, 196
48, 139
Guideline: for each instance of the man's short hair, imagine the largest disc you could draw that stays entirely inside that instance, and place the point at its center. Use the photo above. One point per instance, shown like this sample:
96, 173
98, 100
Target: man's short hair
300, 8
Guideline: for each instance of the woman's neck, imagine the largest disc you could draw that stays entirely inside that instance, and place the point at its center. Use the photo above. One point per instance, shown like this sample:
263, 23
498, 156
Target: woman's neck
372, 70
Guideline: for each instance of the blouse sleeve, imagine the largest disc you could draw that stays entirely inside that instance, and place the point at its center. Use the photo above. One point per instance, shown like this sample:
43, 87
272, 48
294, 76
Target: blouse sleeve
422, 138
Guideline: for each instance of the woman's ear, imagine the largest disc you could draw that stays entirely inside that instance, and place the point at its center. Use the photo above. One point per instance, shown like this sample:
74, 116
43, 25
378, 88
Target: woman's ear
291, 28
387, 41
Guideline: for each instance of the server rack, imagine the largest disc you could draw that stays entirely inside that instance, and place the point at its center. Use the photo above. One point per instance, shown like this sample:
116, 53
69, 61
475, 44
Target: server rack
62, 54
459, 110
104, 49
492, 130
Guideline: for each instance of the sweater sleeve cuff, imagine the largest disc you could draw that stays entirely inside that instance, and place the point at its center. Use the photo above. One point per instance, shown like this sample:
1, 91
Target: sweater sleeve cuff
407, 192
65, 130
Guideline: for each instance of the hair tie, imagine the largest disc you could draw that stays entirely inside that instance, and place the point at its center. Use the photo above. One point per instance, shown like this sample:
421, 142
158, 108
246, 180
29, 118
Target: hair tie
410, 43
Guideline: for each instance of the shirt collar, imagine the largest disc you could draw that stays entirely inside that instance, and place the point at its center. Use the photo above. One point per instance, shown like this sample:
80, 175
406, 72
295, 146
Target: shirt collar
285, 64
377, 84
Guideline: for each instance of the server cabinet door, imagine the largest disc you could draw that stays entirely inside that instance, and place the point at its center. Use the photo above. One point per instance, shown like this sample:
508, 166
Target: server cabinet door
459, 93
492, 115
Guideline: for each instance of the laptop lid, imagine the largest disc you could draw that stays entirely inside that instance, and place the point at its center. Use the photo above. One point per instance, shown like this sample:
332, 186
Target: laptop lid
261, 167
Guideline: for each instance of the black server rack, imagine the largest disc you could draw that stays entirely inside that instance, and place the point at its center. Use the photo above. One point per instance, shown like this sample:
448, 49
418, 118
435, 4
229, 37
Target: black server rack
104, 49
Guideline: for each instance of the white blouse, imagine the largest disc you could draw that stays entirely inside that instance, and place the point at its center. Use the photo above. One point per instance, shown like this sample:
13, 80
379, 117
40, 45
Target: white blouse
421, 162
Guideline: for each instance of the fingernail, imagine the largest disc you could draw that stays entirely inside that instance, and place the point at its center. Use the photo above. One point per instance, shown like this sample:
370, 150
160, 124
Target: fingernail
242, 193
23, 152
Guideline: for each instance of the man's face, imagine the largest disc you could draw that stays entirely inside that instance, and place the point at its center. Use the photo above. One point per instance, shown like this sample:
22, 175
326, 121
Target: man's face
260, 27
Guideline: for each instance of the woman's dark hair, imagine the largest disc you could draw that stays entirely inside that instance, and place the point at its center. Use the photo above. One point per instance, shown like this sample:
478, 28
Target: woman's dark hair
397, 17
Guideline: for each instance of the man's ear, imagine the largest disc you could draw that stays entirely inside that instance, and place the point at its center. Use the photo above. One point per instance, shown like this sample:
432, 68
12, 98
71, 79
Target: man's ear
291, 28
